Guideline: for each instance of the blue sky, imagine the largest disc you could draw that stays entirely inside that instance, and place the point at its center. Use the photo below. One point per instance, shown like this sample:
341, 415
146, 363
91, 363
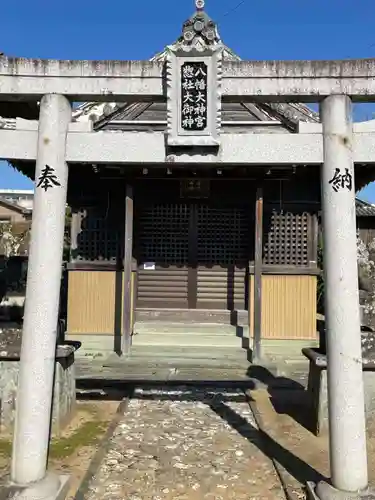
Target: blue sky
127, 29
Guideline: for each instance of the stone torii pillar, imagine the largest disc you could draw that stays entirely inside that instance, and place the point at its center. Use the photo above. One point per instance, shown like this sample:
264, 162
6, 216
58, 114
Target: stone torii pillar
35, 386
347, 428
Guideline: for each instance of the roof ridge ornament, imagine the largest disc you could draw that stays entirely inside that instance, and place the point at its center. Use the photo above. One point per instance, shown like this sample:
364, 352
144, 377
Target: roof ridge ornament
199, 4
199, 32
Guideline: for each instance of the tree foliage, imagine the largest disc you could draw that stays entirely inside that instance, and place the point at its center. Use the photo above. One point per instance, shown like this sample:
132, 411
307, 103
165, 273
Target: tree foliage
366, 278
11, 240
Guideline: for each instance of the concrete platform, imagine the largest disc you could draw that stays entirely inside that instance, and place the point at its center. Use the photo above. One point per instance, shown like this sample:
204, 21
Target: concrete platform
121, 371
189, 340
325, 491
52, 487
193, 345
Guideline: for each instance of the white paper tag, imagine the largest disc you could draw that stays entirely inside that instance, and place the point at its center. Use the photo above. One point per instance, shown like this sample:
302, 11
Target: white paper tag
149, 266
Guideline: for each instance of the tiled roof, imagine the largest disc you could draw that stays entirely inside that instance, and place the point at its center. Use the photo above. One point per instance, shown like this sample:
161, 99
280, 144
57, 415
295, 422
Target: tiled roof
288, 113
364, 209
14, 206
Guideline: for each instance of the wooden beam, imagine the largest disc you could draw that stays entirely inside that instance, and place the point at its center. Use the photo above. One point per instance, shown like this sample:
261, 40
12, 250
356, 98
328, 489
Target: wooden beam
128, 257
258, 260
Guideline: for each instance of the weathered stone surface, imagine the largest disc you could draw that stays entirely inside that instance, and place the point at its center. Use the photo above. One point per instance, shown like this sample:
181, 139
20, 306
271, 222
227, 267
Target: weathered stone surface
318, 387
10, 343
64, 393
64, 387
325, 491
186, 443
125, 80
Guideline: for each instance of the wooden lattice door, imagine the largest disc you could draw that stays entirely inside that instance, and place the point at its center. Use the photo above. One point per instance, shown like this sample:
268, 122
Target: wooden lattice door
192, 256
163, 255
222, 256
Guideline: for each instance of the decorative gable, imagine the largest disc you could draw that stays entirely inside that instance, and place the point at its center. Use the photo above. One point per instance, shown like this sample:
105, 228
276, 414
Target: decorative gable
194, 83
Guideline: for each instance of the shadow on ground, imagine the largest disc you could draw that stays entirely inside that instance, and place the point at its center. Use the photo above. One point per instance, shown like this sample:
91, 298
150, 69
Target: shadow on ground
217, 398
287, 396
296, 467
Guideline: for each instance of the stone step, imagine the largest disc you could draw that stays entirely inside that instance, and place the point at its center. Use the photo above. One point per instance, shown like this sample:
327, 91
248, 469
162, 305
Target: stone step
188, 339
192, 316
198, 329
151, 367
100, 347
190, 352
145, 364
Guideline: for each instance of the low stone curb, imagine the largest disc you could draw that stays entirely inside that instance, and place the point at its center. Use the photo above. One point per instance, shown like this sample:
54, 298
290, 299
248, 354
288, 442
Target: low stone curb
97, 459
281, 472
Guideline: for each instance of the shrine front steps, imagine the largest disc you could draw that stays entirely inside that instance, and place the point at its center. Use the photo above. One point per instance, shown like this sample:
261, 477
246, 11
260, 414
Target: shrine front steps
282, 352
184, 335
192, 343
190, 335
192, 316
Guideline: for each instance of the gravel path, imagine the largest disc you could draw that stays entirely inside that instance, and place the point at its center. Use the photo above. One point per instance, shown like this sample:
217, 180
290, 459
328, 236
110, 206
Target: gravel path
186, 444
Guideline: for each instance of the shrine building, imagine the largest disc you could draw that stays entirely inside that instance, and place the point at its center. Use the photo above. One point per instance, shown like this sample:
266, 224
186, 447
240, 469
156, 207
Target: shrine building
220, 247
196, 182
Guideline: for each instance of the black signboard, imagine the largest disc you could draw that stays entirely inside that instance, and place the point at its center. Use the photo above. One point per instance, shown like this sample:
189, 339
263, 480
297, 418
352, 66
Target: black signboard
194, 96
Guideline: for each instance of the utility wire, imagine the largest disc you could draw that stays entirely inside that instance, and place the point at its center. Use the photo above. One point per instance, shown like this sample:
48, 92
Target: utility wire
234, 8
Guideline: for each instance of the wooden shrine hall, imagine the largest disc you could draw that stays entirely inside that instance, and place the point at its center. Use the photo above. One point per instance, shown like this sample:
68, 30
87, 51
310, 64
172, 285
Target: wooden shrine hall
195, 215
193, 227
196, 182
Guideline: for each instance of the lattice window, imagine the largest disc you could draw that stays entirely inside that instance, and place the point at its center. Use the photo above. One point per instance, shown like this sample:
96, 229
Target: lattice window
164, 234
286, 239
223, 235
100, 236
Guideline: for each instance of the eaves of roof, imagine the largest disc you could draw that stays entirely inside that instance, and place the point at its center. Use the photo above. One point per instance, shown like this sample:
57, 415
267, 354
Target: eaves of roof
364, 209
13, 206
101, 114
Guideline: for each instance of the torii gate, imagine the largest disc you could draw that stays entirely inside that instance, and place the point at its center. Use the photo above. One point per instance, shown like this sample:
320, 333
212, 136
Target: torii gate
55, 142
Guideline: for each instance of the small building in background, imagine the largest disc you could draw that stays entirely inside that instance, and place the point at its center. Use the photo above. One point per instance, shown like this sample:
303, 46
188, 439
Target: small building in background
21, 197
15, 218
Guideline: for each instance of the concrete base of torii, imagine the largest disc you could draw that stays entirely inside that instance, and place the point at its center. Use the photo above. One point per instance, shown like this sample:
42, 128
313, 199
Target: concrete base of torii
52, 487
325, 491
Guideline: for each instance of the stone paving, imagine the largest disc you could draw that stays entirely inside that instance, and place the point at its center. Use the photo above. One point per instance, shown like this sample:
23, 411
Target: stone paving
186, 444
